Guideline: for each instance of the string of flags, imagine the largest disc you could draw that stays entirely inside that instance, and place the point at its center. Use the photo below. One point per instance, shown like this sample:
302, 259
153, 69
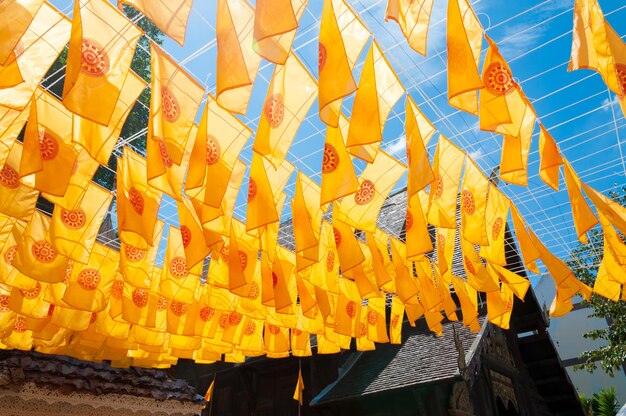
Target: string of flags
227, 289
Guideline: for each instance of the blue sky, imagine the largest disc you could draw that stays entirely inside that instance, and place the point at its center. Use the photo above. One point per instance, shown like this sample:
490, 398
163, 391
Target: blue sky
533, 35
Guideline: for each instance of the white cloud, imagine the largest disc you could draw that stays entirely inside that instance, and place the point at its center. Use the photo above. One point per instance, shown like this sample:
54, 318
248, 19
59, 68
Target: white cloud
607, 103
476, 155
397, 147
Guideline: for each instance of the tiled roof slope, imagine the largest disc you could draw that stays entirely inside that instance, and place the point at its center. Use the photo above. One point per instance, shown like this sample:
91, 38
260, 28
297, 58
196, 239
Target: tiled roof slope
421, 358
70, 374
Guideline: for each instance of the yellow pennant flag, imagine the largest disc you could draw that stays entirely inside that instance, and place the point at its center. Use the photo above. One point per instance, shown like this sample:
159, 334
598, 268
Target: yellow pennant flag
36, 256
11, 124
514, 160
169, 16
16, 200
102, 45
325, 273
477, 275
174, 101
584, 219
464, 36
137, 203
179, 280
591, 45
376, 320
419, 131
338, 176
418, 240
264, 189
444, 189
89, 284
163, 174
196, 243
384, 272
73, 232
349, 310
501, 101
82, 172
551, 161
348, 248
406, 286
468, 301
289, 97
613, 242
607, 280
341, 40
518, 284
242, 258
10, 74
136, 264
473, 204
395, 320
445, 250
618, 49
237, 63
413, 18
17, 17
612, 210
275, 24
49, 154
220, 138
496, 215
99, 140
306, 217
525, 238
376, 182
40, 45
379, 89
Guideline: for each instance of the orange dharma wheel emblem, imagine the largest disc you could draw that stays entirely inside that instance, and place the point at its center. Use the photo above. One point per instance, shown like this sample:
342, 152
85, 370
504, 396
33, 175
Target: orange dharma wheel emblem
395, 319
32, 293
224, 253
165, 157
252, 190
274, 329
322, 54
254, 291
213, 151
498, 79
89, 279
297, 332
496, 228
365, 193
223, 323
363, 329
74, 219
372, 317
185, 233
9, 255
439, 188
171, 109
206, 313
9, 177
441, 241
330, 261
234, 318
117, 290
243, 259
409, 220
468, 265
178, 267
20, 324
94, 59
4, 303
136, 200
274, 279
620, 69
351, 309
467, 202
48, 145
250, 328
133, 254
178, 308
330, 159
337, 235
43, 251
162, 303
140, 297
274, 110
93, 318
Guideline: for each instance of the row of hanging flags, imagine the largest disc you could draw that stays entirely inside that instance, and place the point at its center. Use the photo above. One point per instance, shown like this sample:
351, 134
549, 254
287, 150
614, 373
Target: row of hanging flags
62, 292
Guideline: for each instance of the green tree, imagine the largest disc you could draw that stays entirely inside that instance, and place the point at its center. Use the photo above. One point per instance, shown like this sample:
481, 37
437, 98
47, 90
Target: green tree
137, 121
584, 261
602, 403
